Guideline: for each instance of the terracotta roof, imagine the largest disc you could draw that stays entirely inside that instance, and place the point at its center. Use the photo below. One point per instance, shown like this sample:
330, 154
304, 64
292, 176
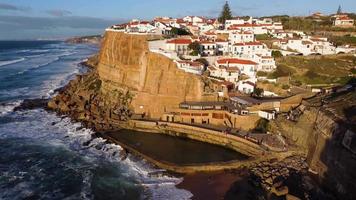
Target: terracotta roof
180, 41
221, 40
249, 83
248, 43
306, 42
232, 69
235, 61
206, 42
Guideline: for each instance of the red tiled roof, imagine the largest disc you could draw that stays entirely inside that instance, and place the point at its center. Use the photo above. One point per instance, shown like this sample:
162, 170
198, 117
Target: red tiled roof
180, 41
206, 42
235, 61
249, 83
248, 44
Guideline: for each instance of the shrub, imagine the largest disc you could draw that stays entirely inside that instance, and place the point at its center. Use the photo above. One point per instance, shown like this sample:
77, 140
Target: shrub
285, 87
262, 125
277, 54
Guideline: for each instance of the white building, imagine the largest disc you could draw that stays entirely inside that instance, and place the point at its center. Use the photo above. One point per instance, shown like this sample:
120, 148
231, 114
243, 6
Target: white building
246, 67
267, 114
222, 47
249, 48
207, 48
179, 45
191, 66
343, 21
255, 28
235, 21
230, 74
265, 63
241, 36
246, 87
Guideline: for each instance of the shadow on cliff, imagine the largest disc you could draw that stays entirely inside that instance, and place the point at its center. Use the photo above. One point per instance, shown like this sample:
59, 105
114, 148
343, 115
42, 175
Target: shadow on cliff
334, 161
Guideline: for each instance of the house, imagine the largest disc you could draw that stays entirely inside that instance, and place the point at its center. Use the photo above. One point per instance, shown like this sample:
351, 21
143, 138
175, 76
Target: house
255, 28
343, 21
246, 87
207, 48
241, 36
179, 45
222, 47
249, 48
209, 35
230, 74
265, 63
247, 67
136, 26
267, 114
191, 66
232, 22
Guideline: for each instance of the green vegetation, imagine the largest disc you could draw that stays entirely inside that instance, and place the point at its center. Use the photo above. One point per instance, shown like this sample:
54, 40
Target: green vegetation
180, 31
343, 40
225, 13
195, 47
282, 70
261, 73
285, 87
203, 61
262, 125
258, 92
276, 54
334, 69
263, 37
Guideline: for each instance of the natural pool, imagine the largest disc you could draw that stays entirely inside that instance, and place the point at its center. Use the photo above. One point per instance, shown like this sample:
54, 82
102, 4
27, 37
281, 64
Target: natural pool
175, 150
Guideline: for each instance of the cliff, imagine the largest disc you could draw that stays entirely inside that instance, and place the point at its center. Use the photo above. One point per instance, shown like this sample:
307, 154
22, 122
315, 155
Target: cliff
126, 64
128, 79
324, 127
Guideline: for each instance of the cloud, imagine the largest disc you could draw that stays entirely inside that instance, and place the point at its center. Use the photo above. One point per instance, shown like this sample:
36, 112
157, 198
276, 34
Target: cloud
58, 13
10, 7
25, 22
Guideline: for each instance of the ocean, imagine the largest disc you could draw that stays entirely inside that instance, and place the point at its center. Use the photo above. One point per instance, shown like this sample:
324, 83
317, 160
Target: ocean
46, 156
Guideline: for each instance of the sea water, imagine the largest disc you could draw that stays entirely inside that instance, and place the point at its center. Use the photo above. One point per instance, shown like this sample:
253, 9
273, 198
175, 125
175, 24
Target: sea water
46, 156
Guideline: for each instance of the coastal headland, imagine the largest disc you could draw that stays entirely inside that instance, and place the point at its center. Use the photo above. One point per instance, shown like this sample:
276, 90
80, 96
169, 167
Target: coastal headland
130, 87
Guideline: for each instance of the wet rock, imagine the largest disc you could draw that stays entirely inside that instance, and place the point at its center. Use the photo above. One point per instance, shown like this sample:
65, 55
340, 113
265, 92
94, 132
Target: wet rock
30, 104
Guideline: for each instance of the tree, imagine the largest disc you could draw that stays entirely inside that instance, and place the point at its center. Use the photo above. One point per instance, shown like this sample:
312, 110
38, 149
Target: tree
225, 13
258, 92
339, 11
276, 54
195, 47
262, 125
179, 31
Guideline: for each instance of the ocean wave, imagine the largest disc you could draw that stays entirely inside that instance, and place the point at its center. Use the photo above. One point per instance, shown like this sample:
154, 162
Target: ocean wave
9, 62
49, 128
56, 58
6, 108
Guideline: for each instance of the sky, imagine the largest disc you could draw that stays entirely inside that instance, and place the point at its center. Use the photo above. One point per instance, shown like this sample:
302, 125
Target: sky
58, 19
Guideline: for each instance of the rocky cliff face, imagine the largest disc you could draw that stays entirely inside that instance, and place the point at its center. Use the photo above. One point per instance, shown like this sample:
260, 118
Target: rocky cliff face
320, 131
128, 79
126, 64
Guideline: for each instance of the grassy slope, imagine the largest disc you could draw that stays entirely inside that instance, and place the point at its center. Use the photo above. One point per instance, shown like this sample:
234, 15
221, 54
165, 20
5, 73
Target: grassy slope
316, 69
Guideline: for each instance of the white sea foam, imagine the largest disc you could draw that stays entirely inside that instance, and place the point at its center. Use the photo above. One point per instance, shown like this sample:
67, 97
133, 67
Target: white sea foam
9, 62
57, 131
6, 108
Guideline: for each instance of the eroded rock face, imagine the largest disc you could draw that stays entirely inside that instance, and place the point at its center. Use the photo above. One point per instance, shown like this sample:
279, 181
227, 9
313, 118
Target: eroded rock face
127, 79
157, 84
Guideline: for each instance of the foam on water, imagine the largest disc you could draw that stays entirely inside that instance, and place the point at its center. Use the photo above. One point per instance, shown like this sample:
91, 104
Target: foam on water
48, 127
6, 108
9, 62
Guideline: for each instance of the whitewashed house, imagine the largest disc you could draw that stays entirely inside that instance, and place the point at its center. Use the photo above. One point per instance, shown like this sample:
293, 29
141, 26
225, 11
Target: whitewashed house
247, 49
235, 21
222, 47
255, 28
179, 45
241, 36
246, 67
191, 66
265, 63
246, 87
343, 21
230, 74
207, 48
